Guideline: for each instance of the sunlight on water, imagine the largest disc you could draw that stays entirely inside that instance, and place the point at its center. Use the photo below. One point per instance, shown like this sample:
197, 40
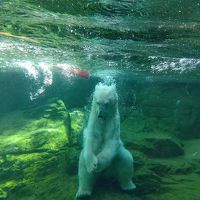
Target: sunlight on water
37, 63
180, 65
42, 74
37, 73
31, 71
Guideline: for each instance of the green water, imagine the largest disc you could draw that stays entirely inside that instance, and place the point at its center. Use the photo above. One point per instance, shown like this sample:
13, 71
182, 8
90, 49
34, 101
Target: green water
151, 49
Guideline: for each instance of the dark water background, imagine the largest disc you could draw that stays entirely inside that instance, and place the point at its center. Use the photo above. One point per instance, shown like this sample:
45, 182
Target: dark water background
151, 49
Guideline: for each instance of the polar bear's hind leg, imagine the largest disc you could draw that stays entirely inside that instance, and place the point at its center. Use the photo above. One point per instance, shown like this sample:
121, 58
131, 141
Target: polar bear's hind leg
124, 167
86, 180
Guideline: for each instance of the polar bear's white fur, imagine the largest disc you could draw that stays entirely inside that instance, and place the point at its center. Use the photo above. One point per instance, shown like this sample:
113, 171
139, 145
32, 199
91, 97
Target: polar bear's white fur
103, 150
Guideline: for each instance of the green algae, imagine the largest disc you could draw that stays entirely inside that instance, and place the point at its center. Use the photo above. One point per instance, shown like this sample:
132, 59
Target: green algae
3, 194
32, 149
39, 160
77, 118
77, 121
36, 133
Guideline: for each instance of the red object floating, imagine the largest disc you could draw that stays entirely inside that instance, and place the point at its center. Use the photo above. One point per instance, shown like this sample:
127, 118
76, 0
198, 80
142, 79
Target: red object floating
71, 70
81, 73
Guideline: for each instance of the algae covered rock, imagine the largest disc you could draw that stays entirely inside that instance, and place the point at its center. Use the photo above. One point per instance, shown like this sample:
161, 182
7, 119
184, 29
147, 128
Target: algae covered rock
33, 151
187, 123
147, 182
154, 143
77, 121
3, 194
35, 130
163, 147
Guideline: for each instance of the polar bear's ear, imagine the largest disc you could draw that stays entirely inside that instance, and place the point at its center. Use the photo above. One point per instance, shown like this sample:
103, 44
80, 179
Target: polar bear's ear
98, 85
113, 87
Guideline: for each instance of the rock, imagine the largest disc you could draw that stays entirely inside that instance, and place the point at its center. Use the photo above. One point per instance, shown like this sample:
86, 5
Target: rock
77, 121
33, 151
77, 118
3, 194
162, 148
160, 168
187, 121
72, 161
154, 144
147, 182
165, 106
139, 159
39, 129
185, 168
165, 167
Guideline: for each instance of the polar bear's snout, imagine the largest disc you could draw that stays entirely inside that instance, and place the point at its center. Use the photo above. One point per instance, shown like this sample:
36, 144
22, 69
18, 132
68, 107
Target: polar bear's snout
101, 110
100, 114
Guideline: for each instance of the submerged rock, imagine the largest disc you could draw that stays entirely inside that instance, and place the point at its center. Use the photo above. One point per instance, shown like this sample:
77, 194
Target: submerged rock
40, 147
147, 182
163, 148
33, 151
77, 121
3, 194
35, 130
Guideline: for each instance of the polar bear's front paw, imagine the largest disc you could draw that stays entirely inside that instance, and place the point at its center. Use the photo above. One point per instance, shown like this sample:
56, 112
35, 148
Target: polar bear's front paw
102, 163
92, 164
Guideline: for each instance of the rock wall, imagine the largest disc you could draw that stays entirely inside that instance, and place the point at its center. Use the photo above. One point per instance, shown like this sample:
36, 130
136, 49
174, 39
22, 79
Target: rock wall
33, 151
171, 106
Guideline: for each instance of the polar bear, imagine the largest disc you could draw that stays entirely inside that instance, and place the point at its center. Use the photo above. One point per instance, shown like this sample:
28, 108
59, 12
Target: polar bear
103, 151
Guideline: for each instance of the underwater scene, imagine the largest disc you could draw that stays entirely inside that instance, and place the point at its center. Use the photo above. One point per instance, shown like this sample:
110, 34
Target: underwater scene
99, 99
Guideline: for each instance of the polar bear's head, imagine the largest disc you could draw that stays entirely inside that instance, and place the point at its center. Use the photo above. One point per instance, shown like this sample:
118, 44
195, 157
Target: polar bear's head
105, 100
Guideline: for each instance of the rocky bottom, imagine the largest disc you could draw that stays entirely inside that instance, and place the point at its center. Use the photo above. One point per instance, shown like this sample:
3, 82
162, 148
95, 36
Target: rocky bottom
39, 150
